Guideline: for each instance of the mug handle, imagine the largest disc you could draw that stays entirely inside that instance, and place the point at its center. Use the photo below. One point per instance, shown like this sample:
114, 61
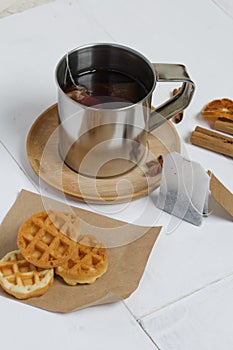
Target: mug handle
174, 73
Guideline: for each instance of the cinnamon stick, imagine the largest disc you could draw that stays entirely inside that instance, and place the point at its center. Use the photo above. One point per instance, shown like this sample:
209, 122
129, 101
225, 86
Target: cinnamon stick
224, 125
212, 141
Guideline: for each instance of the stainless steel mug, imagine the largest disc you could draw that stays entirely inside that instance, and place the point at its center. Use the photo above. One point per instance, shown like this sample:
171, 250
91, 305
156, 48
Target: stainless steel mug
108, 139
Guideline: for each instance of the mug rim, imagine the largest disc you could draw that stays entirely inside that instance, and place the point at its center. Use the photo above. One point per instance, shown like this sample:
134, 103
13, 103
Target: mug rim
118, 46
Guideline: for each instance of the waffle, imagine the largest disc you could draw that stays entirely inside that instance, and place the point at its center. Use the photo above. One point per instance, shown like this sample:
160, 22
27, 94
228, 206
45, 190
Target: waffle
88, 262
67, 223
42, 243
21, 279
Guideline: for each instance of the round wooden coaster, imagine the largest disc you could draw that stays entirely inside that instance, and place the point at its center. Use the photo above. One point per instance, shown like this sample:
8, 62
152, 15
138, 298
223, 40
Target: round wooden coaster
42, 151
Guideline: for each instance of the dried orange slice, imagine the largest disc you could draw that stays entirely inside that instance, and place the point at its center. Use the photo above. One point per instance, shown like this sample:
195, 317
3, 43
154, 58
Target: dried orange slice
222, 108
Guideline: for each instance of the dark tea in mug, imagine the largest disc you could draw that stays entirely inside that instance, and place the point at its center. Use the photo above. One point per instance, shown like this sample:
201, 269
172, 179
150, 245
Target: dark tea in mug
105, 89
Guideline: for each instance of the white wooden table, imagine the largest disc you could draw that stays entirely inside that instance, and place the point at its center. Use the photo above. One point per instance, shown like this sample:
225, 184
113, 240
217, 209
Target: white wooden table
185, 298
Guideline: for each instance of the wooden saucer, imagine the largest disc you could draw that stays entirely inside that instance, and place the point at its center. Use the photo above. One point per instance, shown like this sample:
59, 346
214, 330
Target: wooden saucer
42, 151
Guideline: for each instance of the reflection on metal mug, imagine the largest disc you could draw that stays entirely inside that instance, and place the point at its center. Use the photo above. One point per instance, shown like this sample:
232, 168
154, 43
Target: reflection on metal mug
104, 106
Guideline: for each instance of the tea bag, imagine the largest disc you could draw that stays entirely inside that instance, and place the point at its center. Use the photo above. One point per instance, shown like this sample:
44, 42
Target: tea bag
184, 189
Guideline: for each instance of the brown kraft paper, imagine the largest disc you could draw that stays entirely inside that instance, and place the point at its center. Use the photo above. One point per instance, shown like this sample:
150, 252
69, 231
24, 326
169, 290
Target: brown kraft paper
221, 194
128, 248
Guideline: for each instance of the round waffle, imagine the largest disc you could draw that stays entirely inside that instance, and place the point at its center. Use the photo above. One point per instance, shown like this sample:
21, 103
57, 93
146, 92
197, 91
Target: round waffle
21, 279
42, 243
88, 262
67, 223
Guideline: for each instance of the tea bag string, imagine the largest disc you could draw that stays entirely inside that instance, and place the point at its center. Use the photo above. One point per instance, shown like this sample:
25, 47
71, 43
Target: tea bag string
78, 87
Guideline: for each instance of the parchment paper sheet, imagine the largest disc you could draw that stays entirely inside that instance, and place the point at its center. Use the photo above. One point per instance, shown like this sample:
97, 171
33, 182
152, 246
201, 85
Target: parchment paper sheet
126, 261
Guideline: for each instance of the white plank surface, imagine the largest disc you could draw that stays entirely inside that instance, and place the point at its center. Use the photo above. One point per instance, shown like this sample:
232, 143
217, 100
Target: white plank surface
106, 327
225, 5
12, 180
183, 262
201, 321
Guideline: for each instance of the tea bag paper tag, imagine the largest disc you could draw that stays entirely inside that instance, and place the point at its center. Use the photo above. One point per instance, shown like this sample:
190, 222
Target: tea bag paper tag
184, 189
221, 194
